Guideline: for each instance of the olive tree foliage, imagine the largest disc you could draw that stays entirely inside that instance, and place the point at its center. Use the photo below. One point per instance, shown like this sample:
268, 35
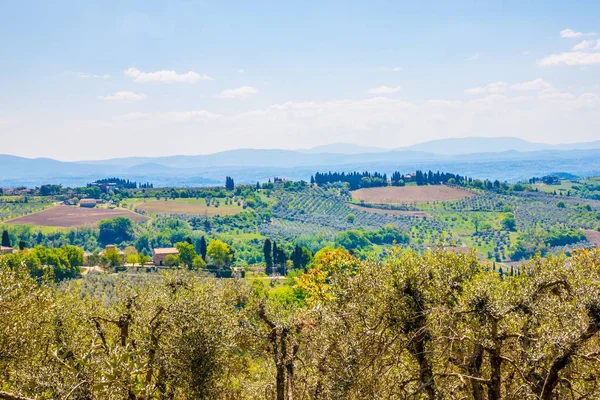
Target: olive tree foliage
433, 326
174, 340
445, 326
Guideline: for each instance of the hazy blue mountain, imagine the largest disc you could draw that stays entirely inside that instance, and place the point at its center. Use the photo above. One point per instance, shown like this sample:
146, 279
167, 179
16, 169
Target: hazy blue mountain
471, 145
344, 148
495, 158
262, 158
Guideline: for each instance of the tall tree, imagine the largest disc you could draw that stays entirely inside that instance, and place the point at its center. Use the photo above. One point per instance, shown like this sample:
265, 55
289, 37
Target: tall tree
229, 184
274, 252
219, 253
5, 239
115, 231
203, 247
187, 253
267, 251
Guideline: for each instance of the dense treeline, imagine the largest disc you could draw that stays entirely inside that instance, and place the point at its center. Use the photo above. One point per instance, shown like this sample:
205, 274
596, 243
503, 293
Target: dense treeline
358, 180
435, 326
122, 183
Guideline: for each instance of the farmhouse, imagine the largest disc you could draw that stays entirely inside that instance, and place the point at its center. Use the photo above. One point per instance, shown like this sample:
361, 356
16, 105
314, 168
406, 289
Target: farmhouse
7, 250
90, 203
159, 254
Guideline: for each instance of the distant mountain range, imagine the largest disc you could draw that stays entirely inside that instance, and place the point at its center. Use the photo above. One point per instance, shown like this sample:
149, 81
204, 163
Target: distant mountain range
503, 158
456, 146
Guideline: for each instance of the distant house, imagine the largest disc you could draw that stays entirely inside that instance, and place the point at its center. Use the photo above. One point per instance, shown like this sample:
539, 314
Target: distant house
160, 254
7, 250
89, 203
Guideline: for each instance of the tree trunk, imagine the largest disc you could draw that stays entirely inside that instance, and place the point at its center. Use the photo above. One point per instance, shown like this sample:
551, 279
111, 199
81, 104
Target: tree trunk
495, 364
563, 360
474, 369
425, 370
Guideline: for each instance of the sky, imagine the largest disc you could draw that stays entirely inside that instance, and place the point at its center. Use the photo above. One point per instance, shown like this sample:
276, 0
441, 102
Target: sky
82, 80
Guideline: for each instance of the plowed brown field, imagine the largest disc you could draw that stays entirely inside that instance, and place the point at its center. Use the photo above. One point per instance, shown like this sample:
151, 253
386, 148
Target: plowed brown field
68, 216
409, 194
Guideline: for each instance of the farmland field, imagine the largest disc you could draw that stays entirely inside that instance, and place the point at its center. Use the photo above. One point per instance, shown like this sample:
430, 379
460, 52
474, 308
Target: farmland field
188, 207
420, 214
67, 216
592, 236
409, 194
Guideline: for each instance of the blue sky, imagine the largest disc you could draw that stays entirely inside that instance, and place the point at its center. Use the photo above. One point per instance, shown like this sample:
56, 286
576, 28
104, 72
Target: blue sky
91, 80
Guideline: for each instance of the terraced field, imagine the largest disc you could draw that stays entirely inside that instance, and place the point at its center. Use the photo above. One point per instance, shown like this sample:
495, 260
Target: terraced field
419, 214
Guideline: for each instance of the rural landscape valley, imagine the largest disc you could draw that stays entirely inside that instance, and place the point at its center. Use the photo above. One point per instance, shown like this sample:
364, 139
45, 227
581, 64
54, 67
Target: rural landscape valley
294, 200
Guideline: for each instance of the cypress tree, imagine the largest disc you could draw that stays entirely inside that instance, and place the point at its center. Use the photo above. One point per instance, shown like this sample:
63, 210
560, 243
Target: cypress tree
267, 250
5, 239
203, 248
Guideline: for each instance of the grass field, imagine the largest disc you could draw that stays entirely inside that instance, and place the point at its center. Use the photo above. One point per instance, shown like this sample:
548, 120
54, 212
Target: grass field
67, 216
187, 206
409, 194
564, 186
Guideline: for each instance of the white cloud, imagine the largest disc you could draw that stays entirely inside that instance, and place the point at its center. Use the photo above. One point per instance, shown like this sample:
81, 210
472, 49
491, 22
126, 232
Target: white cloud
570, 33
473, 57
503, 87
385, 121
85, 75
384, 90
169, 117
536, 84
554, 94
396, 69
570, 58
496, 87
124, 96
241, 71
238, 93
587, 45
588, 100
526, 52
165, 76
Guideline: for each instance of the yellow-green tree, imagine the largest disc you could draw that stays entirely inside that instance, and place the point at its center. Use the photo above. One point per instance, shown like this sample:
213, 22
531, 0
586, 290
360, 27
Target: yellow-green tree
111, 257
219, 253
187, 253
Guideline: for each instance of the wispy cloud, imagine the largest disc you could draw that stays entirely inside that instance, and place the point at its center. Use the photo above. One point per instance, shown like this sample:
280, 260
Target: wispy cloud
124, 96
169, 116
570, 58
502, 87
238, 93
491, 88
587, 45
165, 76
384, 90
86, 75
570, 33
536, 84
473, 57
